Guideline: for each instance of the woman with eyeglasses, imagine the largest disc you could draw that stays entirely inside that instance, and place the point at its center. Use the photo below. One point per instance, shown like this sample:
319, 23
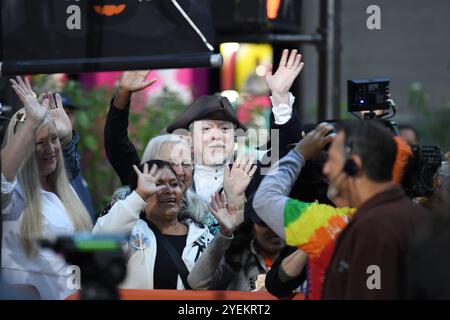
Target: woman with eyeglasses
37, 199
177, 152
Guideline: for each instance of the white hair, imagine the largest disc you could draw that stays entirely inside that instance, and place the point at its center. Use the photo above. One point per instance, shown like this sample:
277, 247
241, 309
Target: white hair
197, 207
155, 144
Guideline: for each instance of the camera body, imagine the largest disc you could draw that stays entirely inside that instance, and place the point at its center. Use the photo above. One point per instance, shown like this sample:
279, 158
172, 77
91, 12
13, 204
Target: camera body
421, 170
372, 96
368, 94
100, 258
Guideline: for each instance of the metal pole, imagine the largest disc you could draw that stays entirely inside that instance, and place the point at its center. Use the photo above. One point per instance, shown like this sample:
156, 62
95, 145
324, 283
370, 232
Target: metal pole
274, 38
329, 60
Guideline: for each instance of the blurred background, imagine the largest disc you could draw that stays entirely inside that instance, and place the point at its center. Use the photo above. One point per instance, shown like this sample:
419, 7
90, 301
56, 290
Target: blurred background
412, 49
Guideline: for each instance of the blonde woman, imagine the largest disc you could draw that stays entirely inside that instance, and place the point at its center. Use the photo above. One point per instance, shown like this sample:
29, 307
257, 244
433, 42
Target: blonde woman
37, 199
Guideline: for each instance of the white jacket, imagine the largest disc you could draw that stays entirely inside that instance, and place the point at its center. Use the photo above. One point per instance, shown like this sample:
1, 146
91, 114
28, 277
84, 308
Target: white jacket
47, 271
141, 248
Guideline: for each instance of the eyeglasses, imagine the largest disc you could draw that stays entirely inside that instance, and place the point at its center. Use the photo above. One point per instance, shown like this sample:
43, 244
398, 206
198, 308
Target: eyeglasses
187, 166
21, 116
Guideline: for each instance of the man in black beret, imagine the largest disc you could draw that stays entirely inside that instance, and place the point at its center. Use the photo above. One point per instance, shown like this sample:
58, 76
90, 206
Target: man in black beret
211, 123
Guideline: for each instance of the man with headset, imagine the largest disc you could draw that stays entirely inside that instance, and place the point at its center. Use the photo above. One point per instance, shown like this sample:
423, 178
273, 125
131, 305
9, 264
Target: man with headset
369, 257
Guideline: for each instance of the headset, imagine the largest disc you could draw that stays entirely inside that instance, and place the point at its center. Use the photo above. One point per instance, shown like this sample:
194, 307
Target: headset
350, 167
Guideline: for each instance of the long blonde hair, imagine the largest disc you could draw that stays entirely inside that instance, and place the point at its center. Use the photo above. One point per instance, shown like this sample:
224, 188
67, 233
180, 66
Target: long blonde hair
29, 179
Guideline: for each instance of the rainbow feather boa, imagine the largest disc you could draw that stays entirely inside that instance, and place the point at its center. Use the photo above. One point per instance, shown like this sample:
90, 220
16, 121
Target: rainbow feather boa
311, 226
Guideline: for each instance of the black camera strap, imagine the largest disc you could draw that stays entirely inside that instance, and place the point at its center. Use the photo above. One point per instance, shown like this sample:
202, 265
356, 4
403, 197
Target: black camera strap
170, 249
176, 259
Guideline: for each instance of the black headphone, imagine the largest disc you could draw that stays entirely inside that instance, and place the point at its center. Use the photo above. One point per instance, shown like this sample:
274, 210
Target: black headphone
350, 166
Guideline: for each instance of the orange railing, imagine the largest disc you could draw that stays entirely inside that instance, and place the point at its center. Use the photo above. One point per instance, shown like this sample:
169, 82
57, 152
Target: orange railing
128, 294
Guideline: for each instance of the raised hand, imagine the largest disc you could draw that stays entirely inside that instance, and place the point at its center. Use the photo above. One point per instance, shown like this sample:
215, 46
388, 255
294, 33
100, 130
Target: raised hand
133, 81
146, 182
35, 111
62, 120
281, 82
238, 178
315, 141
228, 219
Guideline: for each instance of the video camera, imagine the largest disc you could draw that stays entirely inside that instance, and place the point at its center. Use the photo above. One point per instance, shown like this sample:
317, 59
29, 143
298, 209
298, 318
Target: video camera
369, 99
368, 95
100, 258
421, 170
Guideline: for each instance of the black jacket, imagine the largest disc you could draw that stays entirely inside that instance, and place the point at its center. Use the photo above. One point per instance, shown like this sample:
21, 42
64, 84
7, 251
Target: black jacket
275, 285
119, 149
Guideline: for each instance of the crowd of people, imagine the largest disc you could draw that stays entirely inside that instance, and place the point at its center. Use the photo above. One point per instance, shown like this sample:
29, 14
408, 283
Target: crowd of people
329, 219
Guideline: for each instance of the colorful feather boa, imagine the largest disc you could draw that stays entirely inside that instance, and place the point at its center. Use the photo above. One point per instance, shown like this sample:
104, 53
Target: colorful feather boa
311, 226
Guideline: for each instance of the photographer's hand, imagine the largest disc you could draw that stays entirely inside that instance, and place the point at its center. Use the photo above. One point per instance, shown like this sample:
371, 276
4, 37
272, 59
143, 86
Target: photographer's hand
315, 141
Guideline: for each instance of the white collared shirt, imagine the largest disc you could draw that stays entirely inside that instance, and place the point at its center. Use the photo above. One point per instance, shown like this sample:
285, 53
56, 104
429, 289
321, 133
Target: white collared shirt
47, 271
208, 180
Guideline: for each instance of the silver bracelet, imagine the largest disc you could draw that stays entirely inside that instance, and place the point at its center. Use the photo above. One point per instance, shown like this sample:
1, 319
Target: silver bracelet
228, 238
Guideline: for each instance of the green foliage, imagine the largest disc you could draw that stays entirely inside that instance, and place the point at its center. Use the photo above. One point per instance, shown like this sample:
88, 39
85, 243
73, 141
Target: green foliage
154, 118
90, 122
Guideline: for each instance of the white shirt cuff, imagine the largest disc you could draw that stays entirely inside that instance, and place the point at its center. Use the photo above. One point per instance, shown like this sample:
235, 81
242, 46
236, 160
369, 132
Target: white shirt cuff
282, 112
8, 186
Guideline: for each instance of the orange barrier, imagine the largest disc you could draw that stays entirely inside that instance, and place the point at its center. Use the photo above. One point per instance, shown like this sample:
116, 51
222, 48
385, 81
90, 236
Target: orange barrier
129, 294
